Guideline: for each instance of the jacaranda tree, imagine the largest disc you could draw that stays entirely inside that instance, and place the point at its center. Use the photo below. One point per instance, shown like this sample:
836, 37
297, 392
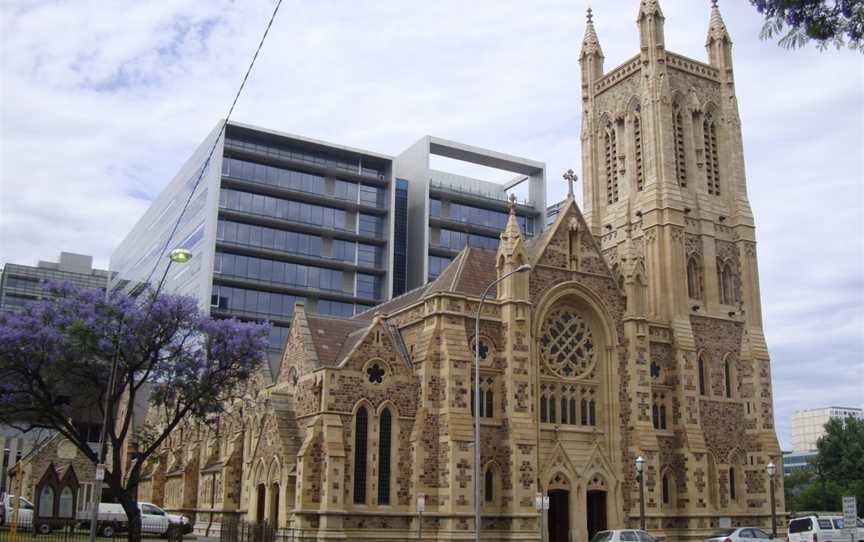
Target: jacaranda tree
827, 22
56, 359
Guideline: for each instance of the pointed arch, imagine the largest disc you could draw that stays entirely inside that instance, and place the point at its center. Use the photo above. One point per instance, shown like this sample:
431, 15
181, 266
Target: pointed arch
695, 279
729, 376
634, 112
702, 374
640, 289
610, 149
361, 429
728, 282
668, 488
385, 453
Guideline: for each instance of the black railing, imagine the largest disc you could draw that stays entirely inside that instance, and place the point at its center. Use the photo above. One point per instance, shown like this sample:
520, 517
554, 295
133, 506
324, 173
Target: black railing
71, 530
234, 530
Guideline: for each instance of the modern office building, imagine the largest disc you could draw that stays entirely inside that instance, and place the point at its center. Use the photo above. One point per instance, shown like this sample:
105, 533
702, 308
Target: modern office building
23, 284
448, 211
809, 425
274, 219
552, 212
796, 461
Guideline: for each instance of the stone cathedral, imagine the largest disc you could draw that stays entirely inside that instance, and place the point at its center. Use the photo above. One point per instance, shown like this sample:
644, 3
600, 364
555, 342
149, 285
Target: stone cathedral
636, 332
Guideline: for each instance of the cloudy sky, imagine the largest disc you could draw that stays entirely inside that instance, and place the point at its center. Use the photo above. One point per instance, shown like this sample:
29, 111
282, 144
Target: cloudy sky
100, 102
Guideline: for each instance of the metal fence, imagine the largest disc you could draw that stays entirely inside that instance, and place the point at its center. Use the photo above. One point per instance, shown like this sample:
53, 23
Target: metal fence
66, 530
234, 530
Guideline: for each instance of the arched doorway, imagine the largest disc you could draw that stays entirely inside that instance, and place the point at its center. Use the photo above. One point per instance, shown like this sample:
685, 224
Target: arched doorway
262, 503
559, 515
274, 505
595, 511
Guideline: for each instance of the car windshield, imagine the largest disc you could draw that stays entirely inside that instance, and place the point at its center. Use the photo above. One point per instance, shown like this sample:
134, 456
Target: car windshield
602, 536
723, 533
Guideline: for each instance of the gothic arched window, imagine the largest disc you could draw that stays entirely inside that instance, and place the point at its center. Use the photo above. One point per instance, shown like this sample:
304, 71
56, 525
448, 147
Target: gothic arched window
655, 415
361, 427
489, 486
665, 489
564, 418
46, 502
727, 378
728, 283
694, 278
65, 510
637, 147
385, 424
680, 156
611, 149
712, 159
572, 411
592, 412
701, 376
544, 411
733, 493
584, 411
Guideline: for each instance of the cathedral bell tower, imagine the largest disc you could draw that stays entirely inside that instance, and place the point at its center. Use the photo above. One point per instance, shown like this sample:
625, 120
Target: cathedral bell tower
665, 194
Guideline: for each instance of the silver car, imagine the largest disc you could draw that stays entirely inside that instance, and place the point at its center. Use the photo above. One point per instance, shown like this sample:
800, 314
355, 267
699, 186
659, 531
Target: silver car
623, 535
743, 534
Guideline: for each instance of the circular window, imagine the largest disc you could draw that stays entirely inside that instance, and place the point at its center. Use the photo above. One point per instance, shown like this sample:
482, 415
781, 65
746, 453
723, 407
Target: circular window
567, 344
375, 373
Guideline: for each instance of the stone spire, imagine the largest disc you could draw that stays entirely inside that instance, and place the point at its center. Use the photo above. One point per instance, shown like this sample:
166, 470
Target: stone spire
718, 43
716, 27
511, 254
590, 43
512, 234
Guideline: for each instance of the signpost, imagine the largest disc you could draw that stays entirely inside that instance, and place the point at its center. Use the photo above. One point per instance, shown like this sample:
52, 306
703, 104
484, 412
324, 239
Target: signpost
850, 516
541, 503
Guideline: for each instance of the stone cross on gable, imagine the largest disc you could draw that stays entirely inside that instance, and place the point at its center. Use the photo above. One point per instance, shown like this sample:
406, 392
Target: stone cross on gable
571, 178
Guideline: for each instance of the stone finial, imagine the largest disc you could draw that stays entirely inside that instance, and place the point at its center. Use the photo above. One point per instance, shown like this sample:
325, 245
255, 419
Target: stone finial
571, 178
512, 204
590, 43
649, 7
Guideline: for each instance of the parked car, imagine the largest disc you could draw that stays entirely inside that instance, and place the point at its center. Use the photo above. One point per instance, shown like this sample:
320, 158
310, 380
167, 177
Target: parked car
111, 519
821, 527
742, 534
25, 511
623, 535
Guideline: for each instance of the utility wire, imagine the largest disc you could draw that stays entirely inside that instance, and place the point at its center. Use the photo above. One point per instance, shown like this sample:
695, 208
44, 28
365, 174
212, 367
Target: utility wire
212, 150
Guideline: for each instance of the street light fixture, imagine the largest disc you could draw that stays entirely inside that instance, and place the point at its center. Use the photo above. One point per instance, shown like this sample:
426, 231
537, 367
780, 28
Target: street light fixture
772, 472
521, 269
178, 255
640, 470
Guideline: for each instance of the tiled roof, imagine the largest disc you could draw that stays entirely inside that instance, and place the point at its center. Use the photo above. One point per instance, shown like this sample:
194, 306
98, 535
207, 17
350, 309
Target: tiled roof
476, 273
329, 335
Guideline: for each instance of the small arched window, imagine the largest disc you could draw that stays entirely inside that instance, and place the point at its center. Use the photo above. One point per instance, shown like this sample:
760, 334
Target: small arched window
552, 409
489, 486
544, 411
384, 446
564, 418
665, 489
46, 502
733, 493
592, 412
694, 278
584, 411
572, 411
712, 158
655, 415
728, 283
490, 403
66, 507
361, 427
727, 378
701, 363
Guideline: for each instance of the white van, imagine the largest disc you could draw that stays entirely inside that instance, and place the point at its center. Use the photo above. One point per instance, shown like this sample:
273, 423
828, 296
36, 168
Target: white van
821, 527
7, 509
112, 519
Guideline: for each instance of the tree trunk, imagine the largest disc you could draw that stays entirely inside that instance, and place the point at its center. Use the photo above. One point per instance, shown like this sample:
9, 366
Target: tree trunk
133, 514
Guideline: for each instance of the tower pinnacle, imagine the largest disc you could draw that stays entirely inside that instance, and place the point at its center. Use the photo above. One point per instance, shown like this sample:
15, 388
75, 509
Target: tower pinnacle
590, 43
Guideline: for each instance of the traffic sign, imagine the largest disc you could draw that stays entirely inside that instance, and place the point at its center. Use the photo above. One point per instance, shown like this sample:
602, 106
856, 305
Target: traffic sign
850, 515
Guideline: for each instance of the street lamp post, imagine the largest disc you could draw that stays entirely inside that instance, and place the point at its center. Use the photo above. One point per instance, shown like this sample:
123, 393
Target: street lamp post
477, 503
640, 475
772, 472
178, 255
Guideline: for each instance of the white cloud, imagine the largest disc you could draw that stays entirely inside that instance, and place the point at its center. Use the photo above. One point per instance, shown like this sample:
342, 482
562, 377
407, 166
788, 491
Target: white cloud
100, 102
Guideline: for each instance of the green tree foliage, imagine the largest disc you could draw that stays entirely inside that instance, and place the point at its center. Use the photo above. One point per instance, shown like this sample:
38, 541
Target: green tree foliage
827, 22
837, 471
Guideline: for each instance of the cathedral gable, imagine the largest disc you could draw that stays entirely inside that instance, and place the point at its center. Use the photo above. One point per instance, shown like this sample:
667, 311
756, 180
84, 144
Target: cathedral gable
569, 244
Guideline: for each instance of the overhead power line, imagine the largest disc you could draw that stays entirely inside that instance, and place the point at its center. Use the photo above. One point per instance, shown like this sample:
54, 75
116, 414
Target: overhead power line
206, 164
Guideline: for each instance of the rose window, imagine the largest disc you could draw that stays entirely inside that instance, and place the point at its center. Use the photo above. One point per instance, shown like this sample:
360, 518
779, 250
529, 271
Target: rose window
566, 344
